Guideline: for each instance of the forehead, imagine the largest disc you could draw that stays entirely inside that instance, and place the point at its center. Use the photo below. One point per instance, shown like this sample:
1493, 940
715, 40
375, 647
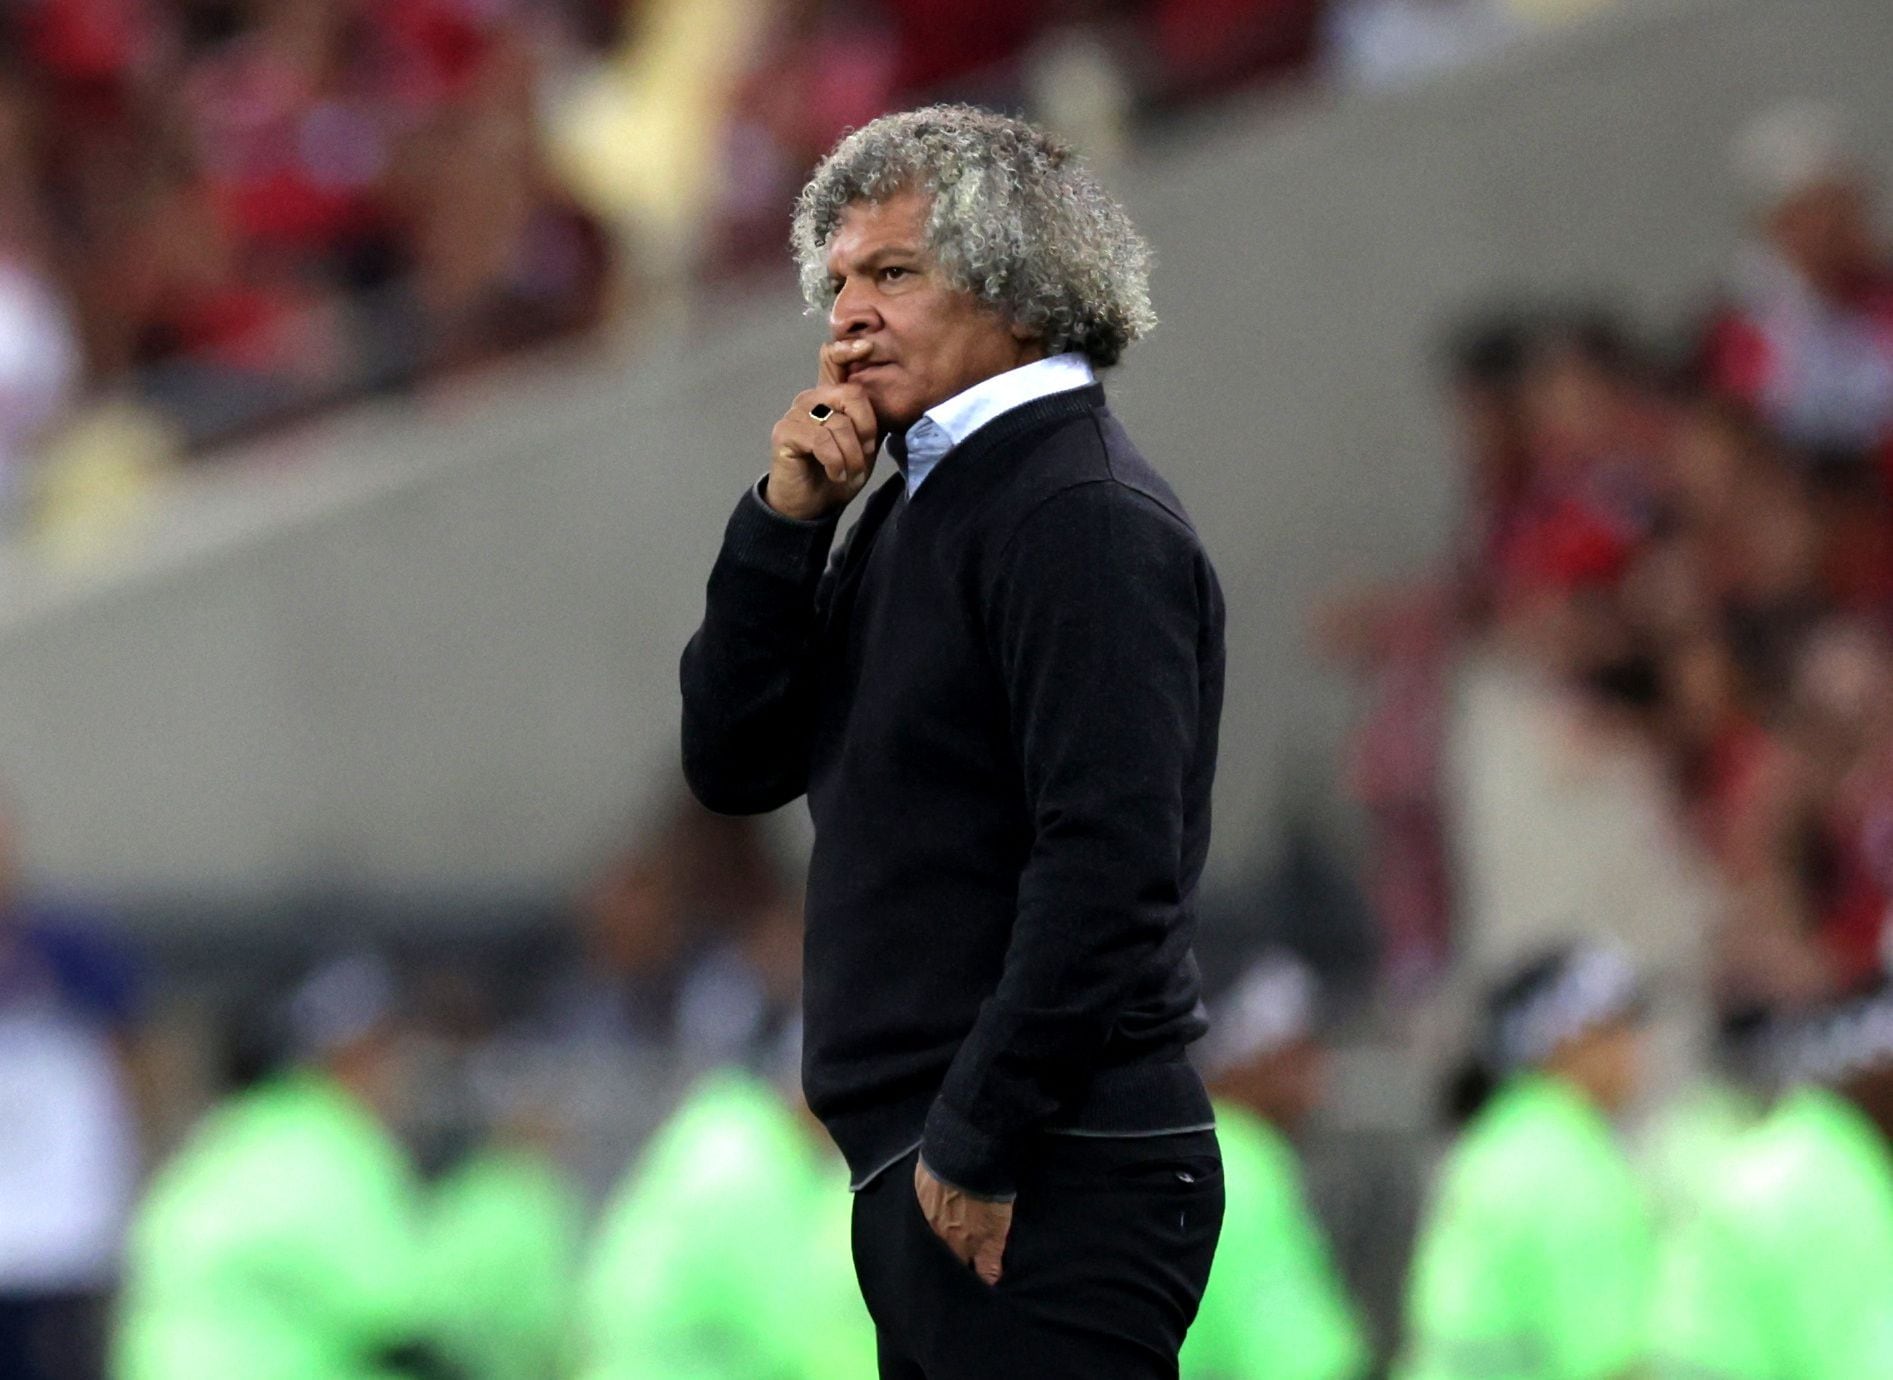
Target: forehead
866, 228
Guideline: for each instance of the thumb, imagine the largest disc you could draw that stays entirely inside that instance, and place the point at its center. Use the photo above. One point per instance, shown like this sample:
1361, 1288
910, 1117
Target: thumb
986, 1260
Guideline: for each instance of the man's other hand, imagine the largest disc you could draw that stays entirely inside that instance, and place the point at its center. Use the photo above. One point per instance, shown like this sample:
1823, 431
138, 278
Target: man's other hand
975, 1230
817, 465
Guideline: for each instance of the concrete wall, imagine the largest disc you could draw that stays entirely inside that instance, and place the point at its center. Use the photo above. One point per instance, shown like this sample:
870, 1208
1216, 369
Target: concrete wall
438, 642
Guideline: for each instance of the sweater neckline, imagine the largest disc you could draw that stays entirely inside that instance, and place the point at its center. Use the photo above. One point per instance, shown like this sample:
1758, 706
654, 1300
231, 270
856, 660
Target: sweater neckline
1008, 426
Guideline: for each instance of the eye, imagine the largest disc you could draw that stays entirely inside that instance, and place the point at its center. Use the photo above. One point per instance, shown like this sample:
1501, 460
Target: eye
893, 273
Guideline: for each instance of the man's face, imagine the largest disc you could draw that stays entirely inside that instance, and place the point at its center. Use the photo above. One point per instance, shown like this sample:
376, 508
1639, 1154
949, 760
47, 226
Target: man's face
928, 340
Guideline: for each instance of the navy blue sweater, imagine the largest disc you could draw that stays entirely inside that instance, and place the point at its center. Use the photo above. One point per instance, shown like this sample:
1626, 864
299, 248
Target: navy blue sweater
1001, 697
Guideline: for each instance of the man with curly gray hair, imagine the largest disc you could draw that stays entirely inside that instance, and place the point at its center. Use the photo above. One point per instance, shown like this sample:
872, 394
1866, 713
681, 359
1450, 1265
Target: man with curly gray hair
1001, 697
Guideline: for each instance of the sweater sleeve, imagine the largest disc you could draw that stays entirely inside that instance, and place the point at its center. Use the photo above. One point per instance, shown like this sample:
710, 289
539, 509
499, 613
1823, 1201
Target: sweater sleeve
747, 674
1096, 619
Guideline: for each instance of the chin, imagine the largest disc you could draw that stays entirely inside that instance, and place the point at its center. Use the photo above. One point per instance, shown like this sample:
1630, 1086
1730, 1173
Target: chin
895, 417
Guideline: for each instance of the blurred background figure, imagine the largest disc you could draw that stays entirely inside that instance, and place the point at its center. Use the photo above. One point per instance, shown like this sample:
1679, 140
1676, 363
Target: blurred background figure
1785, 1271
504, 1214
687, 956
1395, 42
40, 358
725, 1252
1807, 339
1275, 1307
284, 1238
1683, 1147
501, 1242
69, 1136
1538, 1256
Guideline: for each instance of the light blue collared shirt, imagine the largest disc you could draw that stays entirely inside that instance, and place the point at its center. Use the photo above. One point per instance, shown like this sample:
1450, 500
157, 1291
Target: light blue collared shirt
931, 439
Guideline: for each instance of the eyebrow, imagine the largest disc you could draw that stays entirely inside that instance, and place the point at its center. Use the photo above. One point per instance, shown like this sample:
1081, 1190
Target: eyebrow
875, 258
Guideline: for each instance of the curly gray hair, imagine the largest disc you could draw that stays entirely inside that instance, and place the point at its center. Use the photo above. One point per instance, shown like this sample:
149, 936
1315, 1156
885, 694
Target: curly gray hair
1016, 220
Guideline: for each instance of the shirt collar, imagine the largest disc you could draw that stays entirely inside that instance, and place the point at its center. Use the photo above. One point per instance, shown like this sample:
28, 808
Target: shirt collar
946, 425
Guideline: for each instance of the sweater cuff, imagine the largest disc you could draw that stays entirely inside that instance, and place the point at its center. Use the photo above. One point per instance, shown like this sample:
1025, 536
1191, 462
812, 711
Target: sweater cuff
962, 1156
762, 539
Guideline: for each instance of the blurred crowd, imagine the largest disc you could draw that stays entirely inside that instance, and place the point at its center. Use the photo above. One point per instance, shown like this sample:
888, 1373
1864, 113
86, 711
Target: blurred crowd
374, 1156
219, 215
591, 1160
596, 1164
1694, 538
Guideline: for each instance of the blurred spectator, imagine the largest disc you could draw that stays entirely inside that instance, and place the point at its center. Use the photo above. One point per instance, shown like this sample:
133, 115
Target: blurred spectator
68, 1137
1485, 369
689, 957
602, 1031
725, 1253
1812, 857
1785, 1271
1537, 1257
1203, 46
504, 1215
39, 349
1592, 437
501, 1244
262, 208
1698, 1131
635, 134
1275, 1308
1399, 640
1807, 337
740, 998
1389, 43
284, 1239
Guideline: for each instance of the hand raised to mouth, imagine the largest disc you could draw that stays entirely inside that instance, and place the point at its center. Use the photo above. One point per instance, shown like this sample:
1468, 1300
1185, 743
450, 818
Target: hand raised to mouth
823, 449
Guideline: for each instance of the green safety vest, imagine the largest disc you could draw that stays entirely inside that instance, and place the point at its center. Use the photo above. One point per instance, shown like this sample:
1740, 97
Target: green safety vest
1537, 1260
725, 1254
503, 1236
281, 1243
1787, 1272
1684, 1147
1275, 1309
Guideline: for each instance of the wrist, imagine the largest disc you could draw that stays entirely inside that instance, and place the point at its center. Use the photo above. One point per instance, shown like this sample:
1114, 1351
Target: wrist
965, 1157
815, 516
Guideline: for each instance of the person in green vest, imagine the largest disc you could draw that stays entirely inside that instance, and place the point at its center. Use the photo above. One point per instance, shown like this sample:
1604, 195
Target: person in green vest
281, 1242
1275, 1308
502, 1239
1710, 1117
724, 1255
1787, 1272
1538, 1256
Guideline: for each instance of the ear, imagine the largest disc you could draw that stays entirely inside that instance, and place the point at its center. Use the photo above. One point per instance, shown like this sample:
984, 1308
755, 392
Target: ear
1023, 334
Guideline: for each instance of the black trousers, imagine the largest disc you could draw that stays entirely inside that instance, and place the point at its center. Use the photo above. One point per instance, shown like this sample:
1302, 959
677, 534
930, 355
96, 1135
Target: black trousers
1109, 1251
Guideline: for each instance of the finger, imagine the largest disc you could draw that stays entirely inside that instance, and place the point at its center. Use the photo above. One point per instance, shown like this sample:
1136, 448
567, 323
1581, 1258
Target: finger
837, 355
854, 402
851, 451
987, 1260
825, 447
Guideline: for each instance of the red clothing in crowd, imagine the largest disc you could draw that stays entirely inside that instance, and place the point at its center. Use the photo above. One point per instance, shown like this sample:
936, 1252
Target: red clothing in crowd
1853, 919
944, 43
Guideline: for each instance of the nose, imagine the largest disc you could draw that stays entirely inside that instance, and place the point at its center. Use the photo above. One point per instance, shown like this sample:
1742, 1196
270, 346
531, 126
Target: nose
853, 313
